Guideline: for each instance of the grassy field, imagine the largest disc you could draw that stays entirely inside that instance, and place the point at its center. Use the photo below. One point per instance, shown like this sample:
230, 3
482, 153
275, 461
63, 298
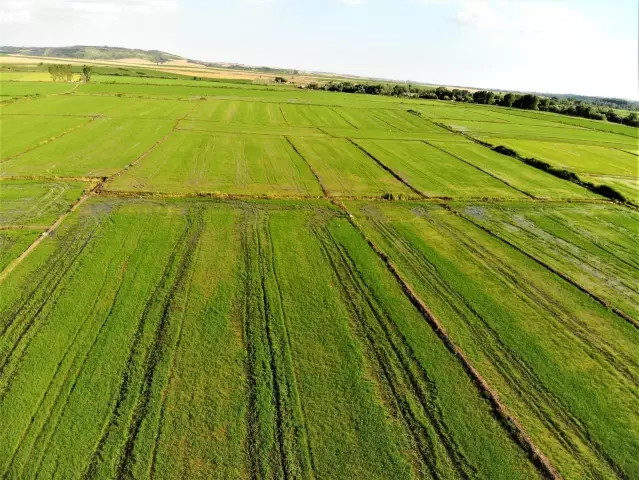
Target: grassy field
558, 133
13, 243
513, 172
234, 164
591, 244
566, 365
19, 133
627, 186
78, 154
233, 280
436, 173
231, 336
252, 113
32, 202
577, 158
344, 170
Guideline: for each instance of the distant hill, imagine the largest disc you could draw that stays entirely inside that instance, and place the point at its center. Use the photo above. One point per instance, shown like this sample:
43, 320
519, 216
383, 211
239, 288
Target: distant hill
93, 53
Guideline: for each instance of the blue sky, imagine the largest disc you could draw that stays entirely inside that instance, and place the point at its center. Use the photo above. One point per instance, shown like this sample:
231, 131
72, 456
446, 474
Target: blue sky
564, 46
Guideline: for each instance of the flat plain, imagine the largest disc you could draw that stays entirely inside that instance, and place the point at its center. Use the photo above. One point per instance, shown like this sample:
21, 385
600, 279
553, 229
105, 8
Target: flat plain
235, 280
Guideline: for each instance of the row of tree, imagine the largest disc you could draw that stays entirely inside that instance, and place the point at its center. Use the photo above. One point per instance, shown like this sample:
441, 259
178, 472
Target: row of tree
64, 72
566, 106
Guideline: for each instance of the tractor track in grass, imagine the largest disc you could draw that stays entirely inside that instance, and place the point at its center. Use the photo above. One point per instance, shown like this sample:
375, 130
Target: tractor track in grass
515, 372
507, 420
277, 438
71, 366
174, 352
157, 349
307, 451
44, 444
136, 354
550, 268
26, 332
399, 372
387, 169
49, 140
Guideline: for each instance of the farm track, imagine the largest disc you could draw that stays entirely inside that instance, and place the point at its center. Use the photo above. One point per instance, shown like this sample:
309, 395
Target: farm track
407, 386
552, 269
519, 378
502, 413
277, 440
18, 325
53, 405
146, 369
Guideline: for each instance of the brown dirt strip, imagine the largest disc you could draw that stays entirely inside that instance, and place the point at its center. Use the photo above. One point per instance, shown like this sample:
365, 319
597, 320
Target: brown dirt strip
324, 191
508, 421
48, 140
480, 169
562, 275
388, 169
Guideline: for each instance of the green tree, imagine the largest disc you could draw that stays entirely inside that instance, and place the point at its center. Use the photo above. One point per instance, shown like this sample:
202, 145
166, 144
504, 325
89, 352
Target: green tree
87, 70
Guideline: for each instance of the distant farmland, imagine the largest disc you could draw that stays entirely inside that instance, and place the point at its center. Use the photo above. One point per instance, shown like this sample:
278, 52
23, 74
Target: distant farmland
231, 280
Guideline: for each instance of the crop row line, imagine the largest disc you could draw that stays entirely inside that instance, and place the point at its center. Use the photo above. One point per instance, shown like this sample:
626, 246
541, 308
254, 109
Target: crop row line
508, 421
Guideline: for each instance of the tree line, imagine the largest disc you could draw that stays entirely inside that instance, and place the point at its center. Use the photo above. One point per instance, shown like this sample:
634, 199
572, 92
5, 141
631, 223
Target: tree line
64, 72
604, 110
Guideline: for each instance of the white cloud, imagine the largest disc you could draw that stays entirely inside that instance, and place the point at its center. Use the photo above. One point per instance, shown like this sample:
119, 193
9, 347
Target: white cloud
14, 11
14, 16
519, 16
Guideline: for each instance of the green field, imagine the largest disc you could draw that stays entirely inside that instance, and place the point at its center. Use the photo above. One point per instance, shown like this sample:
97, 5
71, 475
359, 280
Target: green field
101, 148
231, 164
577, 158
344, 170
565, 365
593, 245
221, 279
627, 186
513, 172
231, 336
436, 173
31, 202
13, 243
542, 133
20, 133
228, 111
